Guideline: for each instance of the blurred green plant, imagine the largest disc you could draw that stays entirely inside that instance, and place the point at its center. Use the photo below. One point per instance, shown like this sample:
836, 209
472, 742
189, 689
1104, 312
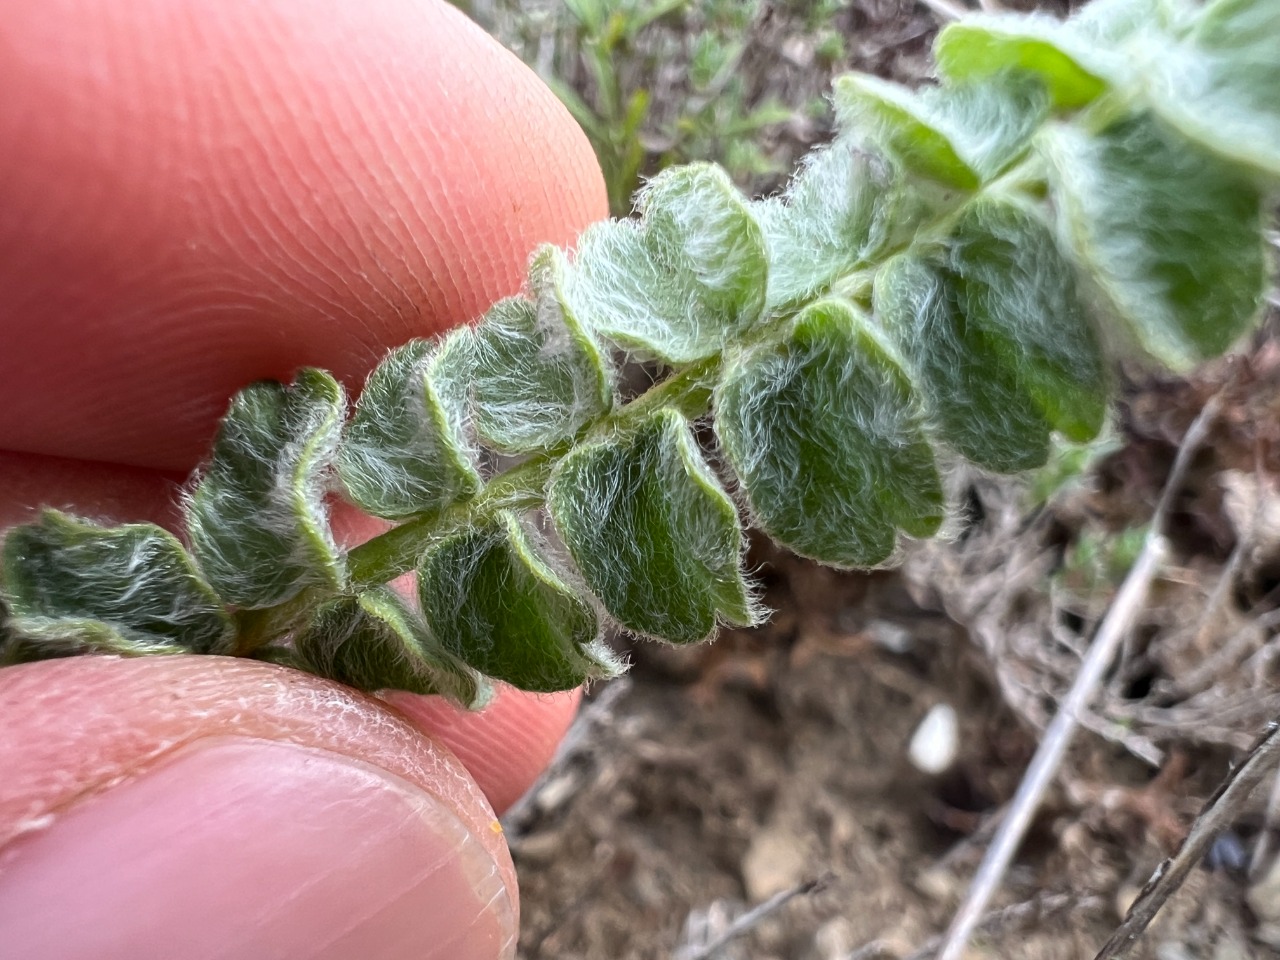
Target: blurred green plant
654, 83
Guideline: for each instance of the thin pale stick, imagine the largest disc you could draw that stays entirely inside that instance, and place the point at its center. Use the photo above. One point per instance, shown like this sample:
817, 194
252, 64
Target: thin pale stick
1058, 735
751, 918
946, 10
1219, 814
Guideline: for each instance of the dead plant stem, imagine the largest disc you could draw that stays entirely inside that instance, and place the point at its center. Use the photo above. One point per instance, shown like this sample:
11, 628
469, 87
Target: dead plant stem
749, 920
1058, 735
1218, 814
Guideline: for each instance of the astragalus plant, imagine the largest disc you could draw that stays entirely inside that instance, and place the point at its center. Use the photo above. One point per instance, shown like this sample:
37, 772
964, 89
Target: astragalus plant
951, 280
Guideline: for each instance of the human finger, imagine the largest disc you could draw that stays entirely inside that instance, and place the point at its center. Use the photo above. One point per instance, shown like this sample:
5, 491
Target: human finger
210, 807
197, 194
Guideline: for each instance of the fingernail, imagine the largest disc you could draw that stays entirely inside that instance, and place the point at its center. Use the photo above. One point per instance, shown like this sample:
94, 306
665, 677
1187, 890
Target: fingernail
252, 848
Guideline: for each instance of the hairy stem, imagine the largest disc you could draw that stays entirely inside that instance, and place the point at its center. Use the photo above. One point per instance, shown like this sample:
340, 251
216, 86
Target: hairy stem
523, 486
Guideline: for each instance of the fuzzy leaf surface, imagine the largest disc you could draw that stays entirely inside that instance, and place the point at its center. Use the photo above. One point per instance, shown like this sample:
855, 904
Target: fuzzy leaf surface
836, 215
977, 407
692, 272
71, 586
257, 520
1171, 235
404, 451
1074, 70
958, 134
825, 434
537, 376
495, 604
1021, 292
998, 336
652, 531
376, 642
1220, 85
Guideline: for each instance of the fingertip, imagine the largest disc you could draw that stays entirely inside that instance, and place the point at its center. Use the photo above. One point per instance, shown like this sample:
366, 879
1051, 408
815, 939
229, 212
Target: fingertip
507, 745
198, 195
106, 492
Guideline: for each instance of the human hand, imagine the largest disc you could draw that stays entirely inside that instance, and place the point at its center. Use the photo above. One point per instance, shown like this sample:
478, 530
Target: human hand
195, 194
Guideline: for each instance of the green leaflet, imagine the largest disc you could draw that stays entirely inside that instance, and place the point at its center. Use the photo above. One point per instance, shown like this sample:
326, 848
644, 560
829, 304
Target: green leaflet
1220, 84
825, 434
1074, 69
537, 376
976, 407
1020, 291
998, 338
493, 603
1172, 236
376, 642
257, 520
655, 536
1111, 23
72, 586
960, 134
836, 215
691, 273
404, 451
841, 209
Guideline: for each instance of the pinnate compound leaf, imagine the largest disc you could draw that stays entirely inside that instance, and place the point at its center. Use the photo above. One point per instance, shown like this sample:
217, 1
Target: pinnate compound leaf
673, 286
257, 520
404, 451
998, 337
376, 642
1220, 84
837, 214
495, 604
71, 586
537, 377
825, 434
960, 134
655, 536
1171, 236
1074, 69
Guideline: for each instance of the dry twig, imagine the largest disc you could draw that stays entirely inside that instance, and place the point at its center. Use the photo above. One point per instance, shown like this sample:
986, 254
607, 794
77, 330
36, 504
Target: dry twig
1219, 813
1057, 737
946, 10
749, 920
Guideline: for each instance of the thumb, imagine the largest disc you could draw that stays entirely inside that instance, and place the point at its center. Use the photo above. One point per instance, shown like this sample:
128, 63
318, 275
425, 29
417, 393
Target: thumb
222, 809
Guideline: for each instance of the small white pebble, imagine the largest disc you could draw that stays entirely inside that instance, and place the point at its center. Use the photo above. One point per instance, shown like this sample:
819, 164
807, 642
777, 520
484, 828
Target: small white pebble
936, 741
